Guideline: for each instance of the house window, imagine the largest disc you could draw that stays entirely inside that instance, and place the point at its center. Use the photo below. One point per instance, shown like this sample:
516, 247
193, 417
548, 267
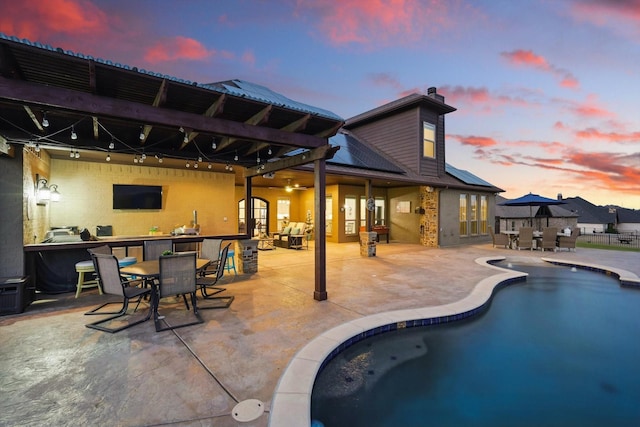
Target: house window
350, 215
260, 216
328, 216
473, 213
463, 215
484, 214
428, 140
378, 218
283, 212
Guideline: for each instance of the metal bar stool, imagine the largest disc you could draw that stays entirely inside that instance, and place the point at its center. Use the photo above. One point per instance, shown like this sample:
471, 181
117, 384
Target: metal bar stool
230, 263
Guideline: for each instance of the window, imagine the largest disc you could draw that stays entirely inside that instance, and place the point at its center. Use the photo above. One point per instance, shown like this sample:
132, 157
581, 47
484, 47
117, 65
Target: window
350, 215
484, 214
473, 213
379, 218
260, 215
328, 216
283, 212
428, 140
463, 215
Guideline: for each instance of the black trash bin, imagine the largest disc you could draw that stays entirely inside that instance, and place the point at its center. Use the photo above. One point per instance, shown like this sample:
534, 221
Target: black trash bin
15, 294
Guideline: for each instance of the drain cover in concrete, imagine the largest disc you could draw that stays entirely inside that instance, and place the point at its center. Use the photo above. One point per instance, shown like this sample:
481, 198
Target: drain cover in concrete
247, 410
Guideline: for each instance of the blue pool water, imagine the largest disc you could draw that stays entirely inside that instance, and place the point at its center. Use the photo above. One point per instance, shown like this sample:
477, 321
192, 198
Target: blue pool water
561, 349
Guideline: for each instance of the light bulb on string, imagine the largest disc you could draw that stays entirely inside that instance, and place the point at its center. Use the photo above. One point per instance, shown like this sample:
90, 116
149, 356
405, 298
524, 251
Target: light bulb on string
74, 135
112, 145
108, 157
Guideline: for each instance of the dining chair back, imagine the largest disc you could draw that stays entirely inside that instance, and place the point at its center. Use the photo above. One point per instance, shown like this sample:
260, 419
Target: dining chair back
114, 284
210, 250
207, 283
569, 242
549, 237
498, 239
177, 277
525, 238
153, 249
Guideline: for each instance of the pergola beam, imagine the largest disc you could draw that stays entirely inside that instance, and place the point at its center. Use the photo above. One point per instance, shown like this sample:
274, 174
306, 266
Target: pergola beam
48, 97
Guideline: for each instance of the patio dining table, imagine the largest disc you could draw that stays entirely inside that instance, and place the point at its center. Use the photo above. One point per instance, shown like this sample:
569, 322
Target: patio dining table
151, 269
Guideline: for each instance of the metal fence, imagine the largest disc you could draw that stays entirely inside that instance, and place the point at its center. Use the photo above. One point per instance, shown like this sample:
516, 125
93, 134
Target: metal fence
626, 240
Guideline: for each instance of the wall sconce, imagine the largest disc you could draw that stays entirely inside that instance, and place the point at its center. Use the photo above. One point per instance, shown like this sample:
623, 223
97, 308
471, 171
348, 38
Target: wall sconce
429, 189
45, 193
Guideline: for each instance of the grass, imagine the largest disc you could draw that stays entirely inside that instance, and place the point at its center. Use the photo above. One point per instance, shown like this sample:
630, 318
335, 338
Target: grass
608, 247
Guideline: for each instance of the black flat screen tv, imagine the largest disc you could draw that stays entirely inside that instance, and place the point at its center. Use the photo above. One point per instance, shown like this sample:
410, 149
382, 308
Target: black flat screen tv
137, 196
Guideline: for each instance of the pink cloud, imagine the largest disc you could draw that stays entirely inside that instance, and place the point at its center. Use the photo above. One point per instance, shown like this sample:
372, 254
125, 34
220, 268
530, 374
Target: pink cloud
249, 58
177, 48
382, 22
607, 13
590, 108
387, 80
475, 141
528, 58
592, 133
43, 21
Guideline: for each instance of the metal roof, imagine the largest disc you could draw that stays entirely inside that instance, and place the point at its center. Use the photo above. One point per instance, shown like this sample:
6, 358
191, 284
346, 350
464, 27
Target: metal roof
104, 101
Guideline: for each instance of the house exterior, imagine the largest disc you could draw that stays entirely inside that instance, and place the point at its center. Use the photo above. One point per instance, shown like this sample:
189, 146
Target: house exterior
591, 218
432, 202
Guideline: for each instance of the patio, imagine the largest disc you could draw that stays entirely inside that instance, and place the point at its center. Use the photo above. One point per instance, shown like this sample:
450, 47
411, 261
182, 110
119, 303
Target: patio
57, 372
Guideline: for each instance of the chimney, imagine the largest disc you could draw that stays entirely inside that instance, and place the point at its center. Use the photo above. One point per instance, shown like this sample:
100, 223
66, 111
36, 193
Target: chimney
560, 196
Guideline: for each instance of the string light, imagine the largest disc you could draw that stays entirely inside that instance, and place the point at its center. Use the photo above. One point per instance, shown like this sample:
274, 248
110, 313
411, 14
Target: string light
74, 135
209, 166
77, 155
213, 144
71, 154
188, 164
37, 148
141, 133
108, 157
112, 145
45, 122
199, 159
195, 165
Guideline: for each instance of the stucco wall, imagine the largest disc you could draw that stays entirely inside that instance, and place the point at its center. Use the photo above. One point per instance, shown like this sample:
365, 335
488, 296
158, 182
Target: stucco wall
87, 197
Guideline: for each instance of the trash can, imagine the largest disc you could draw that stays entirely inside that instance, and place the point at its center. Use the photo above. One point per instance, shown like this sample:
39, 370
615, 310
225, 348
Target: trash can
368, 243
15, 294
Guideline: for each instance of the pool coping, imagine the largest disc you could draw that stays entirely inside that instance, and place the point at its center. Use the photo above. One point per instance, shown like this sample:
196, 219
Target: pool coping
291, 402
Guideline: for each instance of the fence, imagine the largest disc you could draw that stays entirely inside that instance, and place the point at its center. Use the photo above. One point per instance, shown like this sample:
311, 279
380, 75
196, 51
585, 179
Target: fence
627, 240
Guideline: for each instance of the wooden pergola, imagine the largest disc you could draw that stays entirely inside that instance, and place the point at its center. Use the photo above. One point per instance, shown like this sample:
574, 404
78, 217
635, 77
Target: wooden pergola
47, 93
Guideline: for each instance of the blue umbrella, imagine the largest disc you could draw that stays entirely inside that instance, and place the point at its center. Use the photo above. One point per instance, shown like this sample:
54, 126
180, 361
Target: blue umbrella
532, 200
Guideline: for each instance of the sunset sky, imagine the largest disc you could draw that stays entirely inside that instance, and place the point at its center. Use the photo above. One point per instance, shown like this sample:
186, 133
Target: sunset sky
547, 91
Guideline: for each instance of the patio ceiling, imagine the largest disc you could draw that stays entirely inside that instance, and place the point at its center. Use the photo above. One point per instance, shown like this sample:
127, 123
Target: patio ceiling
144, 113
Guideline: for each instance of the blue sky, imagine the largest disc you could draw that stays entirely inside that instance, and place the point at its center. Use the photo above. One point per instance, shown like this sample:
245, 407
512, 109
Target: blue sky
547, 91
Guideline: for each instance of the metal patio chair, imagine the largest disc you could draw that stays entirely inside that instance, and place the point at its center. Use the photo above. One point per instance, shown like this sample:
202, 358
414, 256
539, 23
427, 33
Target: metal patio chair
113, 283
207, 283
177, 278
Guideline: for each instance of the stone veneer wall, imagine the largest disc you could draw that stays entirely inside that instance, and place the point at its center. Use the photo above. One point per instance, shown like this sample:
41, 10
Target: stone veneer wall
429, 220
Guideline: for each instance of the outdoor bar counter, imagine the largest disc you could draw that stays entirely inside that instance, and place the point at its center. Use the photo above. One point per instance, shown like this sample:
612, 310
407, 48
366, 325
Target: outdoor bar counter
51, 266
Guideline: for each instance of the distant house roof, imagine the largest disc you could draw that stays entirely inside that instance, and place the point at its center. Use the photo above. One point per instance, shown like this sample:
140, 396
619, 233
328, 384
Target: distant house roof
588, 213
628, 216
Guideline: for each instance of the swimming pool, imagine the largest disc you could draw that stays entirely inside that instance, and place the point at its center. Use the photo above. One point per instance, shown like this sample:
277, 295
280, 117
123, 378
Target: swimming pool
558, 349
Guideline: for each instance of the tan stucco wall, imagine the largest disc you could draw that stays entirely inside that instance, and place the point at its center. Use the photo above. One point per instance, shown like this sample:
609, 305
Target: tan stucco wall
87, 197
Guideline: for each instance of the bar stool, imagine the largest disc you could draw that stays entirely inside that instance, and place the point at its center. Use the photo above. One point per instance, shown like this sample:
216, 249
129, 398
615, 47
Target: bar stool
83, 267
230, 263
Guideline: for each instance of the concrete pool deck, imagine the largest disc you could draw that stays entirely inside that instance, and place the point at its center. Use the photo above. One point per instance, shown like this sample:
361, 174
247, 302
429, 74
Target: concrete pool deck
57, 372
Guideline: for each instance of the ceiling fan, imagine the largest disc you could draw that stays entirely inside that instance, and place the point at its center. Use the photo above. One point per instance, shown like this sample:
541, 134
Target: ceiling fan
289, 188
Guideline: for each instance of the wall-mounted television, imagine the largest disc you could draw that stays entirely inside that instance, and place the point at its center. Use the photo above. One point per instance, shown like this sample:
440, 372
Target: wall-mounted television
137, 196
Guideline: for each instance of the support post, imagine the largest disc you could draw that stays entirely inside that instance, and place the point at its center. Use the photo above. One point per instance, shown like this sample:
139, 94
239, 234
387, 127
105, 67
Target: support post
320, 206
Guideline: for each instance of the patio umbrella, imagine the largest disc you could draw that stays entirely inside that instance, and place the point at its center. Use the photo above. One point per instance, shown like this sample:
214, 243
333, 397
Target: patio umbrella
532, 200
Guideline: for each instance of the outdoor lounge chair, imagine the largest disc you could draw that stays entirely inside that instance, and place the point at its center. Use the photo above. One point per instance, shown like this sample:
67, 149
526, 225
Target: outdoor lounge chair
499, 239
525, 238
207, 283
549, 236
113, 283
569, 242
177, 278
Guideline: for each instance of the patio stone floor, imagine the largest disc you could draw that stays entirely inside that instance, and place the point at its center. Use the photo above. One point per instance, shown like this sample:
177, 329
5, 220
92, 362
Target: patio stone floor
55, 371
